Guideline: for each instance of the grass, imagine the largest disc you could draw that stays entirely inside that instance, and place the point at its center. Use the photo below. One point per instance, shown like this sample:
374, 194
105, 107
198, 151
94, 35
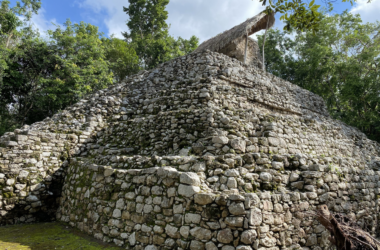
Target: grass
48, 236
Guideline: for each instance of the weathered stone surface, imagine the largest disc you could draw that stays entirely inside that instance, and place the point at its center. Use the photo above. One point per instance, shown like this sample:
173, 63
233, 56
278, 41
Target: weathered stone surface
193, 218
185, 230
188, 191
234, 221
190, 179
243, 248
225, 236
255, 216
266, 177
237, 208
201, 233
220, 139
248, 236
204, 199
202, 152
238, 144
172, 231
197, 245
211, 246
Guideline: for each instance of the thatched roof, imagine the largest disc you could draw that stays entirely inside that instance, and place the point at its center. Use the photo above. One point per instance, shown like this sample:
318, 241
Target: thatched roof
249, 27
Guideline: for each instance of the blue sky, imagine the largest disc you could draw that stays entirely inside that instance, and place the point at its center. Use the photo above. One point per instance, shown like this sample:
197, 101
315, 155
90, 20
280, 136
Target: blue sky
203, 18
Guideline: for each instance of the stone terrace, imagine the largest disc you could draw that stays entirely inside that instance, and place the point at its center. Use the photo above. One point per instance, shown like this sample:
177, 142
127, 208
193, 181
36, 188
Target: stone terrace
203, 152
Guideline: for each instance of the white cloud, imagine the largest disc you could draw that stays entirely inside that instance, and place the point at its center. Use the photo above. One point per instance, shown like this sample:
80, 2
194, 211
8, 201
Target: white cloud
207, 18
42, 24
369, 12
202, 18
115, 18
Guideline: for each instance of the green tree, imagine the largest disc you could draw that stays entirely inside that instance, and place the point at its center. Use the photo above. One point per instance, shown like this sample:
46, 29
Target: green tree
15, 22
22, 88
122, 58
8, 23
83, 67
183, 47
149, 33
340, 62
148, 30
279, 49
12, 30
45, 76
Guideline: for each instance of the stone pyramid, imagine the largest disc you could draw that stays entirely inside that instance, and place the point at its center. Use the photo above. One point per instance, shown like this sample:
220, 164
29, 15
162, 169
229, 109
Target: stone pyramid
203, 152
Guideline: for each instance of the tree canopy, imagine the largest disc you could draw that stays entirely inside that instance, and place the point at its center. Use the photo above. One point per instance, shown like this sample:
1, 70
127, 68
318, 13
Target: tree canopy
340, 62
149, 33
40, 76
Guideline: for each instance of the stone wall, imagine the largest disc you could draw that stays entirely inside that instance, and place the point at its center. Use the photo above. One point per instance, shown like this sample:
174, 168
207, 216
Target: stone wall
236, 49
203, 152
33, 159
183, 207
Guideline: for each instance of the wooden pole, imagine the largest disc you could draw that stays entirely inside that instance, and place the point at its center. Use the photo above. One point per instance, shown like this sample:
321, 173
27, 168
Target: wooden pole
265, 37
246, 45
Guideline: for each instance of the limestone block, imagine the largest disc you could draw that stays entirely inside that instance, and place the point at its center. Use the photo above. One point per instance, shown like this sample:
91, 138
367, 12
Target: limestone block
268, 241
232, 173
243, 248
32, 198
237, 208
211, 246
238, 144
265, 176
201, 233
248, 236
11, 144
298, 184
187, 191
251, 200
255, 217
231, 182
184, 231
116, 213
312, 240
225, 236
132, 239
234, 221
204, 199
192, 218
21, 138
228, 248
172, 231
151, 247
220, 140
197, 245
190, 179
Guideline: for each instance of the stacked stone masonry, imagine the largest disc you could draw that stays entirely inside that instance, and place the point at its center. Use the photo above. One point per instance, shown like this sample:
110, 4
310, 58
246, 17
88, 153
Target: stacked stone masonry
203, 152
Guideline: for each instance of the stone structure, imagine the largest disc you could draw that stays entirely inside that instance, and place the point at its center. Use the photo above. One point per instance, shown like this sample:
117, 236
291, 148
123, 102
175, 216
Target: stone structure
236, 42
237, 50
203, 152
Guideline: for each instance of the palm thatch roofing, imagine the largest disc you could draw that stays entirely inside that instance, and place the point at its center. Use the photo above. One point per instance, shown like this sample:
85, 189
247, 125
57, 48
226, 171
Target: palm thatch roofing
249, 27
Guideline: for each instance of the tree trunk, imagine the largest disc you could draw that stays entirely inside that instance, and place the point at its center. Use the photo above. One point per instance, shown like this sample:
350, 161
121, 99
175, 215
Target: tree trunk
8, 40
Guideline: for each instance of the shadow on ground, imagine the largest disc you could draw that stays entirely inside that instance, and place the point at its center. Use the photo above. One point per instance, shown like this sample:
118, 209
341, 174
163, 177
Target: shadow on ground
48, 236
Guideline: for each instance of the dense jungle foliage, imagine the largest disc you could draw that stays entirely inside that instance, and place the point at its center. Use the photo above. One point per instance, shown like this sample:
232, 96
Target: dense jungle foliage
340, 62
41, 75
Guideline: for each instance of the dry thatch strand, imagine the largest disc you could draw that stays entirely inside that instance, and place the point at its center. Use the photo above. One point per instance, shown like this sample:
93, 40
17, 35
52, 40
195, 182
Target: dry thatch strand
345, 234
249, 27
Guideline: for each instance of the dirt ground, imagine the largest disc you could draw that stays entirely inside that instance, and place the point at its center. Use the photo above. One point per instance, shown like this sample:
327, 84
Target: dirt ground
48, 236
